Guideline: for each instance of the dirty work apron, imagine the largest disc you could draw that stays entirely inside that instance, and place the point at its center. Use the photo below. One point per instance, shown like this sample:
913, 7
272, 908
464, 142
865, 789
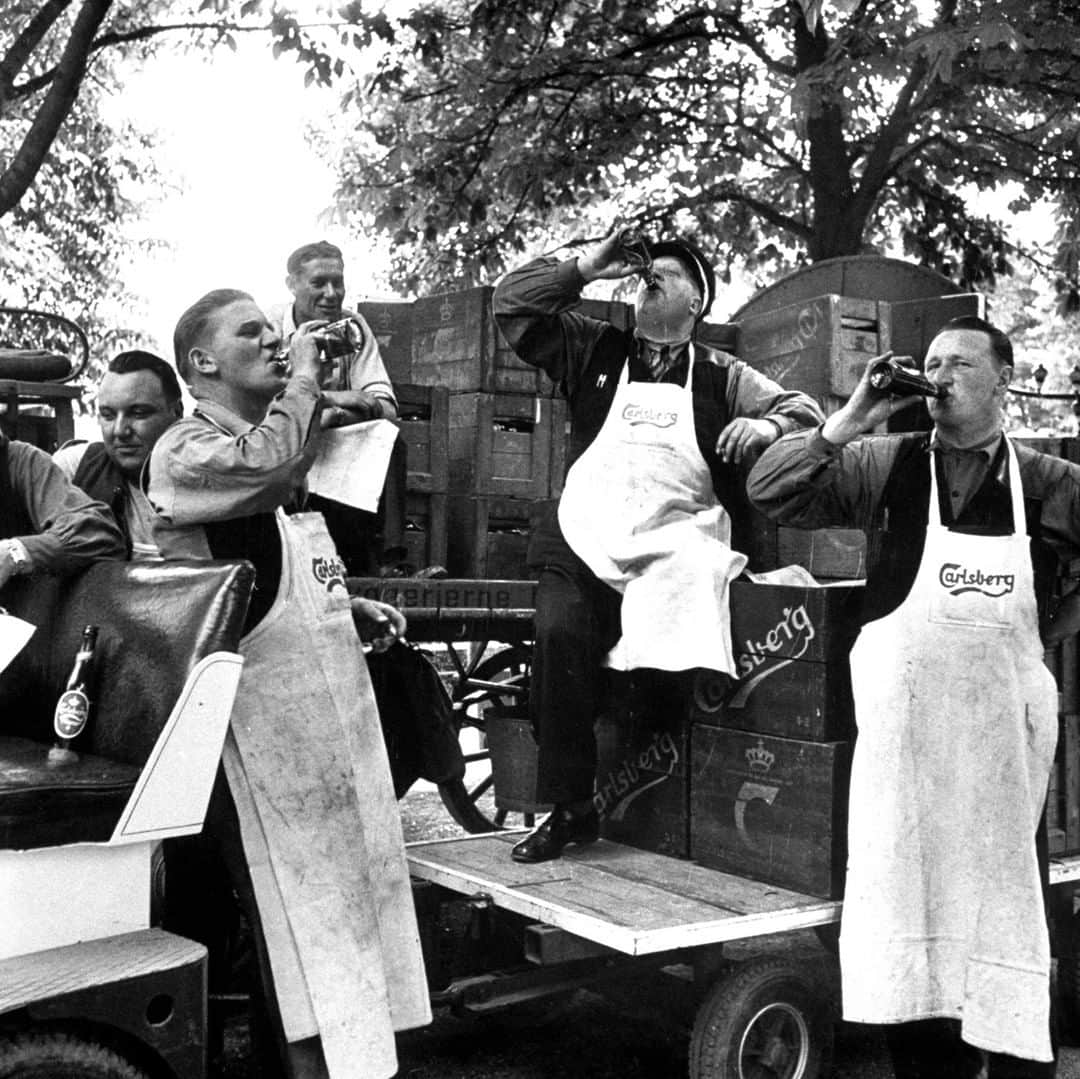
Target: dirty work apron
639, 510
308, 771
957, 716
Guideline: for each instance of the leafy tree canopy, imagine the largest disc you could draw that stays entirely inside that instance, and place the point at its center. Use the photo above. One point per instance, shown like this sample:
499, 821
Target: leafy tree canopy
777, 131
71, 173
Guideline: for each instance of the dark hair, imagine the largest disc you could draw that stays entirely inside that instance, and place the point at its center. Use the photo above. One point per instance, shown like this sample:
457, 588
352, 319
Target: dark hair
697, 266
124, 363
320, 250
191, 328
1000, 345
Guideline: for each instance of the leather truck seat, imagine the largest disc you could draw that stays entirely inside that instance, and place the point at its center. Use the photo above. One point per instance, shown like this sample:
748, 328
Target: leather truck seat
157, 621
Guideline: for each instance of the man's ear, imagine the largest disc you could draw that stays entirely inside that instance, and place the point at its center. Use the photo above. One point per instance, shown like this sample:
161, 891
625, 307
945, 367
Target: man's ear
202, 362
695, 305
1004, 378
290, 283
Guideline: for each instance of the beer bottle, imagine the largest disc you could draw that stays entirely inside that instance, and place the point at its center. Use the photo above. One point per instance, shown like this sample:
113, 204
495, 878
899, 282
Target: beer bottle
893, 377
73, 707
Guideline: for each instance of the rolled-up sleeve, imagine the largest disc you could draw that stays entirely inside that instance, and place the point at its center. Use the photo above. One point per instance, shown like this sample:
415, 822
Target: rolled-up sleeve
200, 472
804, 480
71, 530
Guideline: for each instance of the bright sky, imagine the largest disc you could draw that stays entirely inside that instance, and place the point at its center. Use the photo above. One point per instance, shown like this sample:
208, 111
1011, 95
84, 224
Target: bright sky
232, 133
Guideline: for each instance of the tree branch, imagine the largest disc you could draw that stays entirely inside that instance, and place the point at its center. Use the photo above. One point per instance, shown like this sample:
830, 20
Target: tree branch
22, 48
16, 179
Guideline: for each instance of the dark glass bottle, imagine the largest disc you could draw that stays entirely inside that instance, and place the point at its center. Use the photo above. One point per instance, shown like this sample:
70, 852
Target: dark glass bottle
72, 711
889, 376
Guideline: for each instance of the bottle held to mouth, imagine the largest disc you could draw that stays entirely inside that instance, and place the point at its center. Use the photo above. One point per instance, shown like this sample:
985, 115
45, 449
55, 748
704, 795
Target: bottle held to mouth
893, 376
635, 249
340, 338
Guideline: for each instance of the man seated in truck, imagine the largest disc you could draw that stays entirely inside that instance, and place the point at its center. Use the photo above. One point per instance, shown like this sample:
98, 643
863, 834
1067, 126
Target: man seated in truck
46, 524
637, 564
944, 934
138, 399
369, 543
306, 765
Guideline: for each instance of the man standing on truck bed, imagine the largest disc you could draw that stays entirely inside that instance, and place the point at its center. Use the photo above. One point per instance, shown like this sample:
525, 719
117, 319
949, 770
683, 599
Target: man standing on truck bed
944, 933
639, 560
305, 760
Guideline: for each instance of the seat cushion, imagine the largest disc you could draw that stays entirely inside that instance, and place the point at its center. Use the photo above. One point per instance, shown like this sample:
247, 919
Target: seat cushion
45, 805
33, 365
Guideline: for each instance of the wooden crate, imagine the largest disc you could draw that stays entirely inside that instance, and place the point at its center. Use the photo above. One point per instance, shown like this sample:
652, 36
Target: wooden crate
488, 537
820, 346
915, 323
643, 755
424, 422
1063, 797
617, 313
505, 444
788, 698
456, 345
38, 412
425, 528
828, 553
774, 809
392, 324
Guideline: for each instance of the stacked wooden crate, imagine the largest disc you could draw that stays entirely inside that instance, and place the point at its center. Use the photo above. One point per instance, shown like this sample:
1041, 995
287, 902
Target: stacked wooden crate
770, 754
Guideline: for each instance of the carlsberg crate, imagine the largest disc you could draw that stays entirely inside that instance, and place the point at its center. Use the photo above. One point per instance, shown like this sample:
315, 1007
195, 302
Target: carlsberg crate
392, 324
643, 754
773, 809
425, 528
488, 537
455, 344
424, 422
502, 444
820, 346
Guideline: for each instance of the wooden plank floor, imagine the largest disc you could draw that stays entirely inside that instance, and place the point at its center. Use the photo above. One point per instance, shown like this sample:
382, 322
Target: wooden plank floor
626, 899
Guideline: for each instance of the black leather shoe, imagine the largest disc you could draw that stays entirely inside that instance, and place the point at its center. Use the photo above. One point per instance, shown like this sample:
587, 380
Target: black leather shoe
562, 828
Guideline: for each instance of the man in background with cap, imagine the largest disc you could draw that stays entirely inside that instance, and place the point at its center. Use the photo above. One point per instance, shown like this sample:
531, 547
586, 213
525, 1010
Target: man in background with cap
635, 564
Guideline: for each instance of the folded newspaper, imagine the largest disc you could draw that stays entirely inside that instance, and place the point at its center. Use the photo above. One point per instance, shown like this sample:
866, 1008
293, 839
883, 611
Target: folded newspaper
351, 463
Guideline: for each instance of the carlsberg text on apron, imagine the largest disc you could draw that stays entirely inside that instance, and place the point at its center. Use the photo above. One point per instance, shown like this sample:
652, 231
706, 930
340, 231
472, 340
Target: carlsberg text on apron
957, 716
639, 510
308, 771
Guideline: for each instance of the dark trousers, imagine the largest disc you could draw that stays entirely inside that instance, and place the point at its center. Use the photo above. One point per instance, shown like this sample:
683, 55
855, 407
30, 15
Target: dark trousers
932, 1049
577, 623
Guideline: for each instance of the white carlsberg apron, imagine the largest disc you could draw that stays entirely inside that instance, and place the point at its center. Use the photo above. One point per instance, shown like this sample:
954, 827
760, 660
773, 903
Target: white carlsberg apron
640, 511
957, 724
308, 771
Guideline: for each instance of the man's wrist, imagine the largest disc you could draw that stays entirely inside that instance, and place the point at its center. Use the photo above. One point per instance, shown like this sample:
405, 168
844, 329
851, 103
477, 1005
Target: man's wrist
20, 559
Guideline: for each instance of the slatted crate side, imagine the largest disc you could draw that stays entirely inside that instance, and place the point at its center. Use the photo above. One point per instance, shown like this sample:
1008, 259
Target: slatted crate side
501, 444
488, 537
456, 344
820, 346
425, 536
830, 554
392, 324
773, 809
424, 422
1067, 762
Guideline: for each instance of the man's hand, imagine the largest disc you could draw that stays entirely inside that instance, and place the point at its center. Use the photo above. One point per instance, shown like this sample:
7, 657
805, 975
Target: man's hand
864, 410
7, 565
606, 259
744, 437
378, 624
345, 407
304, 355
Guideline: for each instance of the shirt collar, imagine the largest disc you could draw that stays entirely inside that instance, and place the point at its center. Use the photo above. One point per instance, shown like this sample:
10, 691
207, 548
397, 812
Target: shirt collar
648, 352
223, 418
988, 448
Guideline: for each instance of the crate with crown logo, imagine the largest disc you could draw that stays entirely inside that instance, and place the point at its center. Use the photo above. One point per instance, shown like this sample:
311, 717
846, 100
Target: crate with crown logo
774, 809
391, 322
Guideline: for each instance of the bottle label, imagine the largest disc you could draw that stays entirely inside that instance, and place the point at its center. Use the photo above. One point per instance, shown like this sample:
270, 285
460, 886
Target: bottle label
72, 712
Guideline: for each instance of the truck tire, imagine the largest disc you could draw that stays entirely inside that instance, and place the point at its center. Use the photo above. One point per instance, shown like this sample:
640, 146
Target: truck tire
54, 1055
763, 1020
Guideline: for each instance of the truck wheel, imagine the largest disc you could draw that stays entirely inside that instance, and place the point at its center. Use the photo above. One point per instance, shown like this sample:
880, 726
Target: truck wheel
764, 1020
52, 1055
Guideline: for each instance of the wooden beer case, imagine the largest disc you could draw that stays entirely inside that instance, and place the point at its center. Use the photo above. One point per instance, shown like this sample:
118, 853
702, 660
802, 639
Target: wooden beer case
774, 809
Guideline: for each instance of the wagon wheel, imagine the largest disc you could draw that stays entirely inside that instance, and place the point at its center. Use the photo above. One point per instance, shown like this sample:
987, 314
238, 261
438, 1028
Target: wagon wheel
48, 1054
763, 1020
501, 679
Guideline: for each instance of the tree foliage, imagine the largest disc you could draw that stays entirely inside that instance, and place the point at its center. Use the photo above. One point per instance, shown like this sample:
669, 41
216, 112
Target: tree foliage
71, 174
777, 131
